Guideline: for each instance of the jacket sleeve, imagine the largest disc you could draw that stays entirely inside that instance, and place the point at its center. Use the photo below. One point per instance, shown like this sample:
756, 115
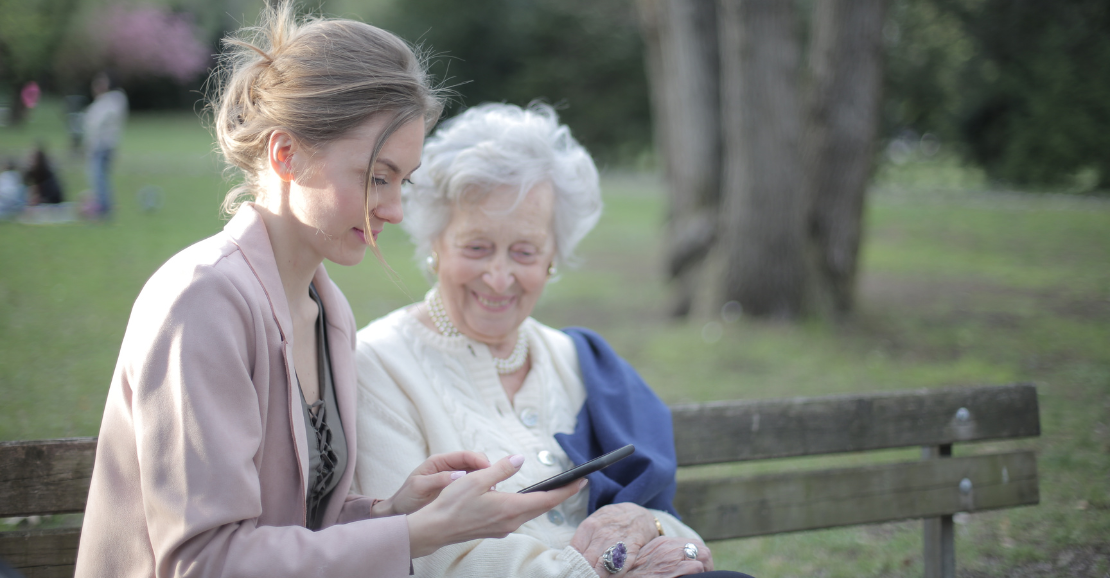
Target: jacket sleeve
392, 443
198, 431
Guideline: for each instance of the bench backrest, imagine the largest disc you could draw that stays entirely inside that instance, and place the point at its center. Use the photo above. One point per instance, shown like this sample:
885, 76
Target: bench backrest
739, 431
52, 476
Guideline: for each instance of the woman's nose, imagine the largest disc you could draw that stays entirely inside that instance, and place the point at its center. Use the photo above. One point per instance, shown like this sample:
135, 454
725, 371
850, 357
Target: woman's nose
499, 275
389, 208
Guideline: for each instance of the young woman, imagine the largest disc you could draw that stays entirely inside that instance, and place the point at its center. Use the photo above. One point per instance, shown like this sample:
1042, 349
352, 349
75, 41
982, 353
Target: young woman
228, 443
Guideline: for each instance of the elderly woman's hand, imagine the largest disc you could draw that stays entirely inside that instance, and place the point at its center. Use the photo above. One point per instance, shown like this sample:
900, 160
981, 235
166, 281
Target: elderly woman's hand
426, 482
665, 557
629, 523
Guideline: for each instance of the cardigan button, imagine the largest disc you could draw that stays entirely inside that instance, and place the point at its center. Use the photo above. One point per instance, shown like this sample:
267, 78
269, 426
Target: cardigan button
546, 458
555, 517
530, 417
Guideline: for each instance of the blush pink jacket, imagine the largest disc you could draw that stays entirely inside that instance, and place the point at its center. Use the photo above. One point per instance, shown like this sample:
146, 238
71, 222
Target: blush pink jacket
202, 462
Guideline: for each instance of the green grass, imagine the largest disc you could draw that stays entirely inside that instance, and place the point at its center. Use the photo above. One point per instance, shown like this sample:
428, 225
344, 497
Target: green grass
959, 286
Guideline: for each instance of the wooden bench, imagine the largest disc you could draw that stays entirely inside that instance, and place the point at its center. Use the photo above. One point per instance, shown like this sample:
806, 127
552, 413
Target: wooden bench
52, 476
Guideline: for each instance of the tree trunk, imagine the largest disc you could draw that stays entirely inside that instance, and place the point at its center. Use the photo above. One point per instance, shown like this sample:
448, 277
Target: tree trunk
681, 51
845, 74
762, 235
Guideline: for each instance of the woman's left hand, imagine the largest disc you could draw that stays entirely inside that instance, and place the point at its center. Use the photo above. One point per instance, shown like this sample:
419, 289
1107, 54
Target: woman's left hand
629, 523
665, 557
426, 482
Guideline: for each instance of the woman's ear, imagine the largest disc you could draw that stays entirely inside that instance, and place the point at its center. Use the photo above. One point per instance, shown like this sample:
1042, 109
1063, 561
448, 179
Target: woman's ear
280, 152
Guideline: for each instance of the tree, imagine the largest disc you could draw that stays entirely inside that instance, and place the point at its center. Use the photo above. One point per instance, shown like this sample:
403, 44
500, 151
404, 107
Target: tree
1020, 88
842, 115
1043, 105
681, 46
583, 56
763, 202
30, 32
796, 156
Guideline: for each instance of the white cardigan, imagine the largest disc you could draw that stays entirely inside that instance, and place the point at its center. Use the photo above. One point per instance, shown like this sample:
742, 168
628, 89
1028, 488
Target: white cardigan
420, 393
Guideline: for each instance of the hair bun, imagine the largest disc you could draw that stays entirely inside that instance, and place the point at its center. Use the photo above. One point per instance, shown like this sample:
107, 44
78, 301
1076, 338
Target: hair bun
314, 78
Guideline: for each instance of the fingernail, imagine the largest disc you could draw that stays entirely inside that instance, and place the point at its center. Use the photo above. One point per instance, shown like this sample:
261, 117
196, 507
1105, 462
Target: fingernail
516, 460
582, 484
457, 475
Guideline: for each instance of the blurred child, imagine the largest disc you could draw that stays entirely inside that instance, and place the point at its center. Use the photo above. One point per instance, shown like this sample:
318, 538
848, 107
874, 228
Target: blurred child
13, 195
43, 187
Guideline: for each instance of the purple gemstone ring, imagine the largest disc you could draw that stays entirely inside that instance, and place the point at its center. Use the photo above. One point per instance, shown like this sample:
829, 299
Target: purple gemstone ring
613, 558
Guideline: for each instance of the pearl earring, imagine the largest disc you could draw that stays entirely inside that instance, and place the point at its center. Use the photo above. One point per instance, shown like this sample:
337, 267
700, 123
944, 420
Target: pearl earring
432, 261
552, 270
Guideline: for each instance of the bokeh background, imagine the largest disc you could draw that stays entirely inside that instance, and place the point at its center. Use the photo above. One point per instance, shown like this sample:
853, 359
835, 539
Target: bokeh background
985, 256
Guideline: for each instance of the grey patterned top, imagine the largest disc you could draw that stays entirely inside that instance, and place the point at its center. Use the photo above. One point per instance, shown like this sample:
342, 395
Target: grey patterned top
327, 446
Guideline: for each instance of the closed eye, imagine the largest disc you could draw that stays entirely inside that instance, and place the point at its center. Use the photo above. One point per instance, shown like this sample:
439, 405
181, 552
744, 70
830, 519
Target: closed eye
475, 251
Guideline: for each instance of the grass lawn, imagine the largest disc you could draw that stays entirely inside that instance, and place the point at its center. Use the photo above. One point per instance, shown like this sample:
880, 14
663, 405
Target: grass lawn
958, 287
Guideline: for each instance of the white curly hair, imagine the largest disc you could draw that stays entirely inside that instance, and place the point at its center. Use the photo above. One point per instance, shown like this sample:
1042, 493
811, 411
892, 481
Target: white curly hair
496, 145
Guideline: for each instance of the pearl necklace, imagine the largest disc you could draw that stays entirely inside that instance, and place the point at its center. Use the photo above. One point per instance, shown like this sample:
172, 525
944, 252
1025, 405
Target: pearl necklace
442, 321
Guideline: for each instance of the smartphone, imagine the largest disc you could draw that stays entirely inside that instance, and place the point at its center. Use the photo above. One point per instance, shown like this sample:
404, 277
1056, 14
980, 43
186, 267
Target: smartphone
560, 480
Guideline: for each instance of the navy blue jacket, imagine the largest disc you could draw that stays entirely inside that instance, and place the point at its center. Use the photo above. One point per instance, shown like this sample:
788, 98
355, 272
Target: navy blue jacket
621, 409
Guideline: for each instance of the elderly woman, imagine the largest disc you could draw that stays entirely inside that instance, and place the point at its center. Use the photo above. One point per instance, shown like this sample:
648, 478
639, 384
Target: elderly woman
503, 197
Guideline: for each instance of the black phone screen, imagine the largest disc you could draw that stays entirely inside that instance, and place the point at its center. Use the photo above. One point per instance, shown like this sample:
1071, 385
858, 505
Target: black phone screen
564, 478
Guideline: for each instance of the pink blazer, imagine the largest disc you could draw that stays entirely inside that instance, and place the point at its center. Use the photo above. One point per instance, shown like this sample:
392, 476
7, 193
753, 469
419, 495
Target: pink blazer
202, 462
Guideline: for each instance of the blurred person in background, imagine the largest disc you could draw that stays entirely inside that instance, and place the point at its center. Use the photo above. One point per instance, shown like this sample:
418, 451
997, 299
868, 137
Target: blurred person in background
103, 128
13, 193
502, 198
228, 446
43, 187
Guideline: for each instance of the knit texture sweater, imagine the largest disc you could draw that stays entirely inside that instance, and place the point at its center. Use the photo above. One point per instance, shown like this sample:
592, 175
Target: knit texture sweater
421, 393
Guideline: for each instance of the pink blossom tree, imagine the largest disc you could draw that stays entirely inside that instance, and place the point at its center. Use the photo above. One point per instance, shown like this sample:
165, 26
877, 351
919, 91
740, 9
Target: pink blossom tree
150, 41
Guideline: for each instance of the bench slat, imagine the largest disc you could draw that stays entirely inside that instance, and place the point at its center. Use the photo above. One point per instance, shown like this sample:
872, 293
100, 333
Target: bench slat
45, 476
788, 502
762, 429
41, 553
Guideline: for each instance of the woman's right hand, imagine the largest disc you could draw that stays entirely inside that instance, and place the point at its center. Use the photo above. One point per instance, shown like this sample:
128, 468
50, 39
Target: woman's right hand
428, 480
469, 508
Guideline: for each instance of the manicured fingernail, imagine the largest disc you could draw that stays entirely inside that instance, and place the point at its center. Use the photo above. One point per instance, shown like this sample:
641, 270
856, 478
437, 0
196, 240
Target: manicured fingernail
516, 460
457, 475
582, 484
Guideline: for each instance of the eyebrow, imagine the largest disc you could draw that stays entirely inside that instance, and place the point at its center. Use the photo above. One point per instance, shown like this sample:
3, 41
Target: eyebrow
393, 167
535, 236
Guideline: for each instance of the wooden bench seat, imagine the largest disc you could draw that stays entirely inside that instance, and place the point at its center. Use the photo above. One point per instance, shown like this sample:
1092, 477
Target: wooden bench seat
52, 476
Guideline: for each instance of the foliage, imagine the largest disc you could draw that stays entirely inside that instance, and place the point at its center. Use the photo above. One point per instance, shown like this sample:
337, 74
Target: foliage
583, 56
1023, 86
29, 31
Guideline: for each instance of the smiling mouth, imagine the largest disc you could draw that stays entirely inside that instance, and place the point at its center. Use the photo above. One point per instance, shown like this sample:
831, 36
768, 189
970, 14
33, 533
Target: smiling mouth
494, 303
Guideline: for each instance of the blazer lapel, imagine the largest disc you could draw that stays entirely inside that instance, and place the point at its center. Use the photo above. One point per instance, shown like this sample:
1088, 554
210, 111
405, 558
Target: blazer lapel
248, 231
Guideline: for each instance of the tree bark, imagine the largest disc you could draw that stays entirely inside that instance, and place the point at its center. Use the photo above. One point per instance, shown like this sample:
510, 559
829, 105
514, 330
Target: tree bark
762, 234
845, 75
681, 52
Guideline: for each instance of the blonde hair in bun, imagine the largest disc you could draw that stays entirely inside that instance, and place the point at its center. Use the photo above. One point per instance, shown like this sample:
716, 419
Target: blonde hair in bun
316, 78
